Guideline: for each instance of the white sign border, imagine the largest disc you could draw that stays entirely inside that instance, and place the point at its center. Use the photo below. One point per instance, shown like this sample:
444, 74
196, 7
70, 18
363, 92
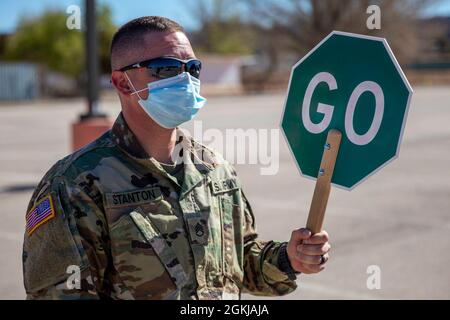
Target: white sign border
399, 70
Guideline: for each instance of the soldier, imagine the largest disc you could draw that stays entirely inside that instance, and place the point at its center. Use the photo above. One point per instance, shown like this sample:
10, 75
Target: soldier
145, 211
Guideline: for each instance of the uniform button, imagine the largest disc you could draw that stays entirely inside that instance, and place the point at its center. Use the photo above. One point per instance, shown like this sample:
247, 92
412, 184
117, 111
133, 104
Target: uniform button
174, 195
228, 248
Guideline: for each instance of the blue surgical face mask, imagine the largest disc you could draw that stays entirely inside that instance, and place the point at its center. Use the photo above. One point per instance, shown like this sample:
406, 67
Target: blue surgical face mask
172, 101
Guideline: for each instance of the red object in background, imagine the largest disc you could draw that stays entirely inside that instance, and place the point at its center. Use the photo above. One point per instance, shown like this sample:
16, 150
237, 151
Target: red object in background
87, 130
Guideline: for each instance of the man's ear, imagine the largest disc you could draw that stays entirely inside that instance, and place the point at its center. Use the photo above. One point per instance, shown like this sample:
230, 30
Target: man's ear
121, 83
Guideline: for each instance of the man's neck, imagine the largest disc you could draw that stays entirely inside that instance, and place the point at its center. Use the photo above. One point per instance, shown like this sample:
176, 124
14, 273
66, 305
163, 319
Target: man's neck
157, 141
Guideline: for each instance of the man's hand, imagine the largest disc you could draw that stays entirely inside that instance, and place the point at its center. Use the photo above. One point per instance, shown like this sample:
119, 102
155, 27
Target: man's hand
305, 252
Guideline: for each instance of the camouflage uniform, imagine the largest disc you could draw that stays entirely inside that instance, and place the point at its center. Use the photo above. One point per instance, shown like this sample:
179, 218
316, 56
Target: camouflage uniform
137, 232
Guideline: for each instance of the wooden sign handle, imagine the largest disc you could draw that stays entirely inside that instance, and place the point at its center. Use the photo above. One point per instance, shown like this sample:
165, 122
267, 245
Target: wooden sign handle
323, 183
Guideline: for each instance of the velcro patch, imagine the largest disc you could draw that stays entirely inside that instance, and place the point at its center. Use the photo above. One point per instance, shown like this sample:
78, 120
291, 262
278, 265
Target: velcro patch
134, 197
42, 212
224, 185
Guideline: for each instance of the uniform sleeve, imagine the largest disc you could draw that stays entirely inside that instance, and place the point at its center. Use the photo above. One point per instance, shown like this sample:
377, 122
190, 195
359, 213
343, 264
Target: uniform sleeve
64, 246
262, 275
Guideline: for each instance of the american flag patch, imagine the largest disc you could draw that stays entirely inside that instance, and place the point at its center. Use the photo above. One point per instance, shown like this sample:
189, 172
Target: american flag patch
39, 214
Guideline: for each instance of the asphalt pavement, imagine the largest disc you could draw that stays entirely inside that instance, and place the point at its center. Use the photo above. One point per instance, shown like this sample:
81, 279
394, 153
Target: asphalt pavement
398, 220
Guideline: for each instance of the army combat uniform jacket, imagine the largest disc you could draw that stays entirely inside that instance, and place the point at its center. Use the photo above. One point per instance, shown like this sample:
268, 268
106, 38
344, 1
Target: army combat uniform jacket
108, 221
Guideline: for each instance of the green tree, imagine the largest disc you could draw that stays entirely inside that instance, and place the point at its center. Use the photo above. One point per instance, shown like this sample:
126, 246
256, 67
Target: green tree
47, 40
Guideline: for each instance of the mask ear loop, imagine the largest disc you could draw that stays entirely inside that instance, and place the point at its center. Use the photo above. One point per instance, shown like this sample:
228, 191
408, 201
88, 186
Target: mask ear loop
135, 91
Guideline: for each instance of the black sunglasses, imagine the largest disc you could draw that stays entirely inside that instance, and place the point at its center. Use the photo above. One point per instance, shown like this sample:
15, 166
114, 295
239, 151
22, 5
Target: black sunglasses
166, 67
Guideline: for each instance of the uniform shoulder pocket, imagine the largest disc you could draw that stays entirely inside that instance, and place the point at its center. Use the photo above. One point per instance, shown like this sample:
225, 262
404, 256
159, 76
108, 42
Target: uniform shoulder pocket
49, 246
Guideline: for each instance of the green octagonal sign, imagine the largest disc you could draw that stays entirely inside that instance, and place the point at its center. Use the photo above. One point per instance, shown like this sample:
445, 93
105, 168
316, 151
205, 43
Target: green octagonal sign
354, 84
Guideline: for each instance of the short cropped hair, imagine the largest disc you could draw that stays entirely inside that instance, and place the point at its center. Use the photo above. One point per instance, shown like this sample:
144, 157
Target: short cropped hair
132, 32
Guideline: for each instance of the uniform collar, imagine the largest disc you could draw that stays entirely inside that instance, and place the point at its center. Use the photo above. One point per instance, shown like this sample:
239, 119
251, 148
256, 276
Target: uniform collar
197, 159
126, 139
198, 162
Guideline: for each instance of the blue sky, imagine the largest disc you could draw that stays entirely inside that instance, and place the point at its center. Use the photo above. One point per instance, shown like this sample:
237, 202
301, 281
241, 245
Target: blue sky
179, 10
123, 11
